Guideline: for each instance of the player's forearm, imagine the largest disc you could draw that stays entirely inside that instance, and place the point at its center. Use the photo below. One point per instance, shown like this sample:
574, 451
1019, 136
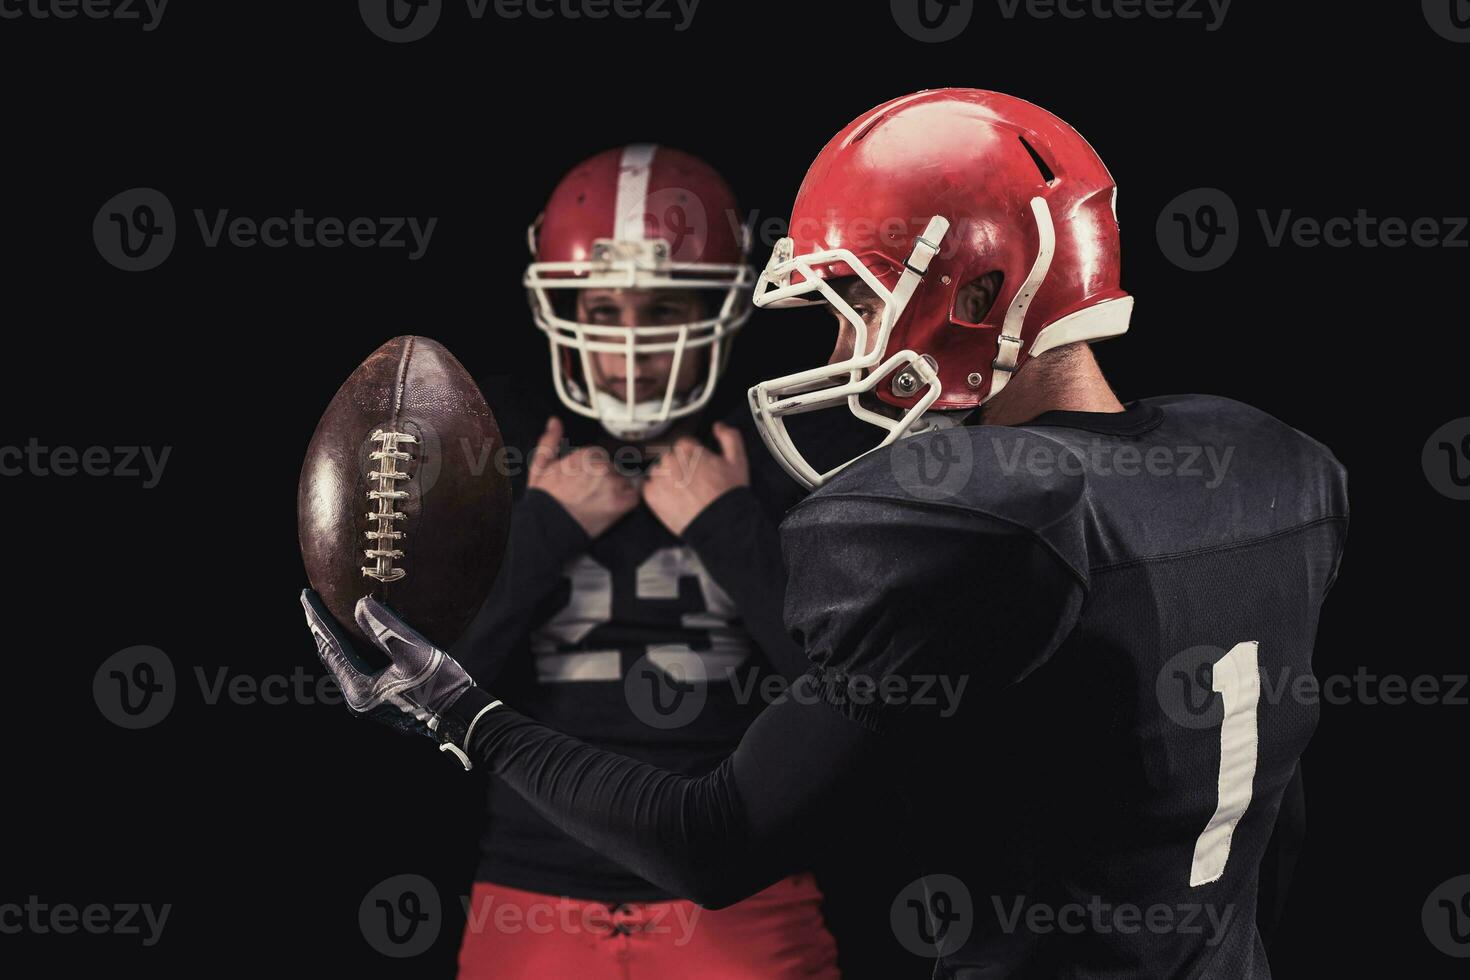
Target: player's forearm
686, 835
714, 839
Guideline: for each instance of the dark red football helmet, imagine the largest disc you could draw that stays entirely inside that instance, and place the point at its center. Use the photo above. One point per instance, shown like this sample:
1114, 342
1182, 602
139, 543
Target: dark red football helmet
919, 197
639, 217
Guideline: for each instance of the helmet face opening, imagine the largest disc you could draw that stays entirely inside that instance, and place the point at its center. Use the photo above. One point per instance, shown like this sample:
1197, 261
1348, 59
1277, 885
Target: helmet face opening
793, 280
619, 396
642, 219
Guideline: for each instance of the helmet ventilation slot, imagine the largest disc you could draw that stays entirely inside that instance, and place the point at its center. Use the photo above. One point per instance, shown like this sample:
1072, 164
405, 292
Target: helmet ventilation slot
1046, 172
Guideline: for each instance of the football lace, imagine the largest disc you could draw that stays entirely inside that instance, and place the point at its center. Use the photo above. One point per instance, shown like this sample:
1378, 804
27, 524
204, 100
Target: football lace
390, 480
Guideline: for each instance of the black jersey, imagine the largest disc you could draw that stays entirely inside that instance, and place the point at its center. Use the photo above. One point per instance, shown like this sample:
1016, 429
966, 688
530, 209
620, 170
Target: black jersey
641, 642
1087, 639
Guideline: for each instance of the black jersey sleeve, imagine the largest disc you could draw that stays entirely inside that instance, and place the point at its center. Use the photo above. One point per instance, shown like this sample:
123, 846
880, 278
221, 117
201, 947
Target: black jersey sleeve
543, 538
910, 605
741, 547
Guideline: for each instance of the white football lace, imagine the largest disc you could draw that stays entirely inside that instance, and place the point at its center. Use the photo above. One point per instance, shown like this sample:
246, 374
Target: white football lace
386, 495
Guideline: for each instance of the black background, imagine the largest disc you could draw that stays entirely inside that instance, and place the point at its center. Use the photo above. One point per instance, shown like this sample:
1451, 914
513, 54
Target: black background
264, 826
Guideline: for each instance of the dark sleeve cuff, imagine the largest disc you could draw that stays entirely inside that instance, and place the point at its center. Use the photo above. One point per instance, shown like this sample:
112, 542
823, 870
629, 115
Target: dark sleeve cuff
727, 514
454, 725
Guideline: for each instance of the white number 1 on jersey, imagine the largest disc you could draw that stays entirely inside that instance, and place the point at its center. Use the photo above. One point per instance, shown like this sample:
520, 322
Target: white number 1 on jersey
1237, 678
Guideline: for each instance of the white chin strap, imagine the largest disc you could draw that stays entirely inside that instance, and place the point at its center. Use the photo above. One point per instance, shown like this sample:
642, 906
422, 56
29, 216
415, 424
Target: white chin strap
645, 424
1005, 362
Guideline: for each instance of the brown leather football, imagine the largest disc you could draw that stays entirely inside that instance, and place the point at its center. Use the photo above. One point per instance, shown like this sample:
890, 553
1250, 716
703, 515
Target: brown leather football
402, 494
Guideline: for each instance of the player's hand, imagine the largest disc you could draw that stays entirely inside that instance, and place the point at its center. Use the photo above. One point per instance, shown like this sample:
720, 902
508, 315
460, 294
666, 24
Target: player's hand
422, 690
583, 481
689, 477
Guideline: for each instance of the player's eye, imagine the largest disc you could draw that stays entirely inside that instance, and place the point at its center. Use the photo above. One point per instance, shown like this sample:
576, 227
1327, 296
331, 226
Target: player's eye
604, 313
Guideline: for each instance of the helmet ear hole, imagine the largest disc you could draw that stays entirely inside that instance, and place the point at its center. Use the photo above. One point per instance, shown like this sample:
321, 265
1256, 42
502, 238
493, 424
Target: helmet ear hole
975, 299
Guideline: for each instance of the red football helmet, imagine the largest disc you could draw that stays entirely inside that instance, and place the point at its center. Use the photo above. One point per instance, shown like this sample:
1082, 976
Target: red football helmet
919, 197
639, 217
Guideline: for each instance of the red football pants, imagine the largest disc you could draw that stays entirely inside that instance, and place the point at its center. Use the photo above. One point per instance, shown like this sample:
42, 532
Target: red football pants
773, 935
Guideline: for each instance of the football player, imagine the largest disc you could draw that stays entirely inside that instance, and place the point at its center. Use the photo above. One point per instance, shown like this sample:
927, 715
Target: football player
642, 590
1070, 627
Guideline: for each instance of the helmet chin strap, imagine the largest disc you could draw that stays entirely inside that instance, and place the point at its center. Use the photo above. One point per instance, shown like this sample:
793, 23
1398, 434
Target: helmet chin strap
1009, 354
609, 407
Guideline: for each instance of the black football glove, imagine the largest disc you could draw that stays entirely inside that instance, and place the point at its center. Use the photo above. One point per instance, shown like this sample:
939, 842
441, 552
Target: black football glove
418, 688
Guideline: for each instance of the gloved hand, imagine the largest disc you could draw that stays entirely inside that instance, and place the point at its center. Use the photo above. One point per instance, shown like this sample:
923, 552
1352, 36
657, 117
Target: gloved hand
423, 689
